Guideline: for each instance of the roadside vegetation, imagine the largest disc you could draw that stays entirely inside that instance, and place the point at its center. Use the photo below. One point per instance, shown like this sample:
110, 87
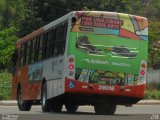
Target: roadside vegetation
5, 86
153, 91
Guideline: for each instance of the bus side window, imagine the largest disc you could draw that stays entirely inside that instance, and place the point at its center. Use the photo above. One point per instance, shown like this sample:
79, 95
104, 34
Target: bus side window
44, 46
56, 42
61, 38
37, 47
28, 52
61, 34
24, 53
18, 57
65, 26
33, 50
48, 46
40, 48
21, 55
53, 42
15, 60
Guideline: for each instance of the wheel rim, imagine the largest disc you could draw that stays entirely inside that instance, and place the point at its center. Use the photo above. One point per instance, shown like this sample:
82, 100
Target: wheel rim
43, 99
20, 98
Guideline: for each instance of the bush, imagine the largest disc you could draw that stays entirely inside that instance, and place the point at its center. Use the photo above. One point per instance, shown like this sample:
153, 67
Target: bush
153, 86
152, 91
152, 95
5, 86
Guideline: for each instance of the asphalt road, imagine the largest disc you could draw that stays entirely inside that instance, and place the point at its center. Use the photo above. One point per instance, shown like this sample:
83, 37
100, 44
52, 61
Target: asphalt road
138, 112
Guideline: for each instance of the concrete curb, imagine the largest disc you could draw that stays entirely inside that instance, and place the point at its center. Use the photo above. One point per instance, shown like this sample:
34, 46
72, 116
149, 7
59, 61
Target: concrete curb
149, 102
142, 102
8, 103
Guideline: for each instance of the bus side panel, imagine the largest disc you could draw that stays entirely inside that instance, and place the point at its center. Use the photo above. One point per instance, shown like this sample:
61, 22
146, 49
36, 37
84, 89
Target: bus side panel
35, 89
21, 78
29, 86
14, 86
54, 88
30, 78
35, 80
53, 74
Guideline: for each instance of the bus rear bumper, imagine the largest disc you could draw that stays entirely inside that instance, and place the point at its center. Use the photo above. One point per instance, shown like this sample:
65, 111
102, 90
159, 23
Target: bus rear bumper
133, 91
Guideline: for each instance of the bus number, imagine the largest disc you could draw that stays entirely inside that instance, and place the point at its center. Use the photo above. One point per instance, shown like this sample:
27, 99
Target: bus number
104, 87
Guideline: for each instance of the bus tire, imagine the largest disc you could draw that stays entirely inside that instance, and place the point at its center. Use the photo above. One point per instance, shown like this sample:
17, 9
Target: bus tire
57, 106
45, 103
105, 109
23, 105
71, 108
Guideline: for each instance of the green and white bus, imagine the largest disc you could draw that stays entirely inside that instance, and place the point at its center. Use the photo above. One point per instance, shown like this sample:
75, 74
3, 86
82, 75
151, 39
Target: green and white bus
83, 58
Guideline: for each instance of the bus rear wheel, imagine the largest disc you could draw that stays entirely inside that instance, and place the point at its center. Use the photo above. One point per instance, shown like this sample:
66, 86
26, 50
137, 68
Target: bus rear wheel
105, 109
23, 105
56, 106
46, 104
71, 108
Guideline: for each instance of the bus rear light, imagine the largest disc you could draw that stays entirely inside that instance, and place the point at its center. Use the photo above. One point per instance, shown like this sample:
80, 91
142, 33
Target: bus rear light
71, 73
71, 60
143, 65
71, 67
142, 72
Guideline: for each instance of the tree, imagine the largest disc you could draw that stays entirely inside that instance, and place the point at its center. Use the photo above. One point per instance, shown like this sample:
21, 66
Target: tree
7, 45
41, 12
154, 44
11, 12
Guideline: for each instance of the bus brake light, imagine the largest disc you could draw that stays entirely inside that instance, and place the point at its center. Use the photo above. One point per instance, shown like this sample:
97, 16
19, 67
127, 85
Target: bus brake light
71, 67
142, 72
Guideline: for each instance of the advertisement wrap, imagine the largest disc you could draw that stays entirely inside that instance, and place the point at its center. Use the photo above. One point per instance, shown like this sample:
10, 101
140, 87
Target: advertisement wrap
108, 49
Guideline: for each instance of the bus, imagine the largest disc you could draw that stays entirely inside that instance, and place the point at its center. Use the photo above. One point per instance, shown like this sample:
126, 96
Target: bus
92, 58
